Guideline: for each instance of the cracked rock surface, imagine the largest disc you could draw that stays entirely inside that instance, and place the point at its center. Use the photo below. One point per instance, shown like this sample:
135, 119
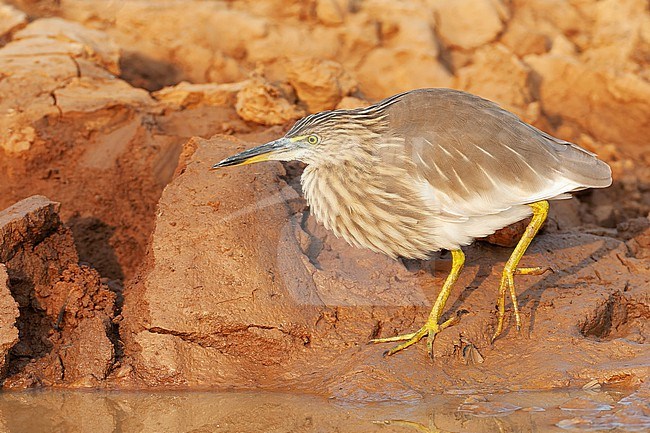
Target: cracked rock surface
8, 315
64, 325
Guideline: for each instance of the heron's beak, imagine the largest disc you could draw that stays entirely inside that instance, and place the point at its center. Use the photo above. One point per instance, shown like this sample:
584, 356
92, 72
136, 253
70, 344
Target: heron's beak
265, 152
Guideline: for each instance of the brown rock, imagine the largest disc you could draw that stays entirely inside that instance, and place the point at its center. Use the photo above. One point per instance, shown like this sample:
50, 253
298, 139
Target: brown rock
168, 350
404, 25
498, 75
462, 29
58, 36
508, 236
105, 94
255, 294
196, 44
594, 99
10, 20
406, 54
639, 244
320, 84
331, 12
8, 316
56, 297
26, 223
350, 102
293, 41
524, 39
263, 103
187, 95
69, 68
91, 355
549, 18
564, 215
386, 71
620, 39
562, 46
358, 37
74, 130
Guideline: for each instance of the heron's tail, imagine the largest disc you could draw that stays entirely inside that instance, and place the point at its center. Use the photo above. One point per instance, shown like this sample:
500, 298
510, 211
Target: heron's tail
585, 168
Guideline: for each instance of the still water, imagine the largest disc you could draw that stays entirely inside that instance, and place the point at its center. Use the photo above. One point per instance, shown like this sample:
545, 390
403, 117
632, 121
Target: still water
203, 412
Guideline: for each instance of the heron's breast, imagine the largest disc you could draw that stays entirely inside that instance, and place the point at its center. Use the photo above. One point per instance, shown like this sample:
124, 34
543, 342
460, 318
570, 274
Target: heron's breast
376, 212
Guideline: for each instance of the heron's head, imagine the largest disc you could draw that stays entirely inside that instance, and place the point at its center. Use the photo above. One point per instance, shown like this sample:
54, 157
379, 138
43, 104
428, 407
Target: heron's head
317, 138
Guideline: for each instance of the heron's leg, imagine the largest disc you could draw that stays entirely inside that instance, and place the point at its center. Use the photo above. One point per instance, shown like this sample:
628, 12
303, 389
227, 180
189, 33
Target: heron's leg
540, 211
432, 325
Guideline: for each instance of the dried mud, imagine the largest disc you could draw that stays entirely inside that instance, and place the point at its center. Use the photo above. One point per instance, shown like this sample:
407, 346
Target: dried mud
132, 265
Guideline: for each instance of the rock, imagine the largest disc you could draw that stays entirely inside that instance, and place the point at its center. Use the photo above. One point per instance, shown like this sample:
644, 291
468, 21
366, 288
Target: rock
263, 103
293, 41
460, 29
320, 84
508, 236
507, 82
27, 223
564, 215
550, 18
350, 102
8, 316
524, 39
187, 95
387, 71
406, 54
593, 99
620, 38
58, 36
562, 46
632, 227
59, 300
605, 215
74, 128
91, 355
331, 12
358, 37
10, 20
70, 69
403, 25
204, 41
253, 293
166, 349
639, 244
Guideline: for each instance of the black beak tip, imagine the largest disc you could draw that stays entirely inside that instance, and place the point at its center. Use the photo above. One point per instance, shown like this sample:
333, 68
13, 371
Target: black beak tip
225, 163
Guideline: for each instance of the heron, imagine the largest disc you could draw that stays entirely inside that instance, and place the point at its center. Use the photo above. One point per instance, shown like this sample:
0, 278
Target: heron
429, 170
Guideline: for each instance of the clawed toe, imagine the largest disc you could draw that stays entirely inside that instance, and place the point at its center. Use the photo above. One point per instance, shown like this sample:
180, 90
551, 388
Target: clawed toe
430, 329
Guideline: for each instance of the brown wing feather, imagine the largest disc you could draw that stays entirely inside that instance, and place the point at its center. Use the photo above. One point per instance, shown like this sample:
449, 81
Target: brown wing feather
481, 159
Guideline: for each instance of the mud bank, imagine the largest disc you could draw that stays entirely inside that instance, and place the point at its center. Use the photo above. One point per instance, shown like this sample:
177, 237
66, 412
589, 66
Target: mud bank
130, 264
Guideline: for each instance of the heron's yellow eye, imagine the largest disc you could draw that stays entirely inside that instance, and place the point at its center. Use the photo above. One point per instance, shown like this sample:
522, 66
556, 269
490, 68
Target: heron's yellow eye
313, 139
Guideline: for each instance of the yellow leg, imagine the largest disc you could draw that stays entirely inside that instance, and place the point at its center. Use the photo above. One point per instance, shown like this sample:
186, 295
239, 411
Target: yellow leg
432, 325
540, 211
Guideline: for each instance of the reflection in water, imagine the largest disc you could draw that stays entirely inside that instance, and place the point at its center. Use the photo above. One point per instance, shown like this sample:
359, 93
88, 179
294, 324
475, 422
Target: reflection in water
202, 412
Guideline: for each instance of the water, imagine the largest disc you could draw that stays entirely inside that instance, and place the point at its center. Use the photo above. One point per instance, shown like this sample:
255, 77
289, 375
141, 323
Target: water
203, 412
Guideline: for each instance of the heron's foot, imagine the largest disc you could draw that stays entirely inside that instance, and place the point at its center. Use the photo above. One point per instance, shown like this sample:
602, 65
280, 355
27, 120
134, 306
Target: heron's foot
533, 271
430, 329
508, 282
